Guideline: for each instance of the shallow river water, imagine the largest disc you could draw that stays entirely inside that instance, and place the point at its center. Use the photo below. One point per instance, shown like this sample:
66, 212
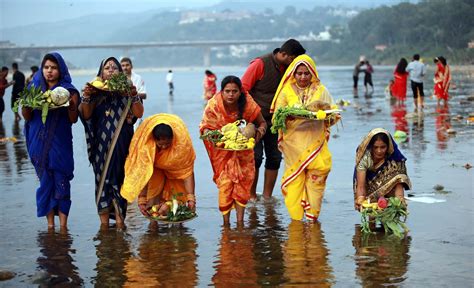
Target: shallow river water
270, 250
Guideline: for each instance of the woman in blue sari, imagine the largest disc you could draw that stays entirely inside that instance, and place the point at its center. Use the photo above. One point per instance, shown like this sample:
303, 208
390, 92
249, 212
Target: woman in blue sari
103, 113
50, 144
380, 169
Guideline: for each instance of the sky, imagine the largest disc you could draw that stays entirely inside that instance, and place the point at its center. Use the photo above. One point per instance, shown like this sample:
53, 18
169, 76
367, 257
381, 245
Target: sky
24, 12
15, 13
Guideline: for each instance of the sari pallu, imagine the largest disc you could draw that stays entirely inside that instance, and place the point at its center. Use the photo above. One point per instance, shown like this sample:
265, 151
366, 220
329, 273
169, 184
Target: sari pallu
99, 130
234, 171
304, 144
50, 148
381, 180
161, 173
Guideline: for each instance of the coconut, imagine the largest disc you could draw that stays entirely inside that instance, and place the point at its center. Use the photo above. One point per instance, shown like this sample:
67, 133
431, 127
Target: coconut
60, 96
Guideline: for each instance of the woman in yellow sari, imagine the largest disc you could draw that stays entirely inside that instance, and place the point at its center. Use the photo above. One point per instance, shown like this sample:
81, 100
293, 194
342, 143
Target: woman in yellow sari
160, 164
304, 143
234, 171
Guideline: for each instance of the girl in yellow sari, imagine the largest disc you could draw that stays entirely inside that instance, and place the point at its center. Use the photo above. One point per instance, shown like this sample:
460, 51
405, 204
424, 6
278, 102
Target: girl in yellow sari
304, 143
160, 164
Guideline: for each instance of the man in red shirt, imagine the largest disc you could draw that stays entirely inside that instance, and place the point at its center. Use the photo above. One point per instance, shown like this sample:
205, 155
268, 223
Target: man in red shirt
261, 80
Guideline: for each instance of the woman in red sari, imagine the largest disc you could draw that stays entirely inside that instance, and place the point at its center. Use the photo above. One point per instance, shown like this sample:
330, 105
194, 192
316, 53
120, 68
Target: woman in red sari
442, 80
210, 87
400, 76
234, 171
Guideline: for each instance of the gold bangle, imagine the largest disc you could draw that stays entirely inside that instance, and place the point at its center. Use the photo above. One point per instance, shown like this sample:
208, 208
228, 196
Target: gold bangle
142, 200
191, 197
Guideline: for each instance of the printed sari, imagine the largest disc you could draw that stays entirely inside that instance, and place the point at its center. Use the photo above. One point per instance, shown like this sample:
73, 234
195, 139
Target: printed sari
50, 148
234, 171
161, 173
381, 180
304, 143
442, 80
99, 130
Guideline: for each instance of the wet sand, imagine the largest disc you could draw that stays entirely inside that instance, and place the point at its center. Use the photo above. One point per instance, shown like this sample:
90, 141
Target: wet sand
270, 250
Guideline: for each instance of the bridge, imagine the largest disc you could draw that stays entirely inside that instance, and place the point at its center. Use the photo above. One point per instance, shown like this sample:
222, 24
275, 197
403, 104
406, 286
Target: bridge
205, 44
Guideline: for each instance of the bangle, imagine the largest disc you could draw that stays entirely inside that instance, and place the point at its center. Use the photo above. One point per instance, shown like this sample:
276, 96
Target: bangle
360, 199
86, 100
142, 200
135, 99
191, 197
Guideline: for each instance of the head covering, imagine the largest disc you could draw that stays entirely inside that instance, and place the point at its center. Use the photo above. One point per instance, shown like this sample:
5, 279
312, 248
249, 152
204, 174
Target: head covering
102, 64
392, 151
289, 78
65, 80
176, 162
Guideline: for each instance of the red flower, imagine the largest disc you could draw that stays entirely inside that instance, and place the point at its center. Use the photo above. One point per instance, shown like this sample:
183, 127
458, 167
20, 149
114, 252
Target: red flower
382, 202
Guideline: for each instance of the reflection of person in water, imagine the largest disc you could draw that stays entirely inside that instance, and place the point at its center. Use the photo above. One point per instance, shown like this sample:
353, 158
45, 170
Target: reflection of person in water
443, 123
164, 259
113, 251
381, 260
21, 155
399, 112
268, 237
236, 263
306, 256
57, 260
7, 171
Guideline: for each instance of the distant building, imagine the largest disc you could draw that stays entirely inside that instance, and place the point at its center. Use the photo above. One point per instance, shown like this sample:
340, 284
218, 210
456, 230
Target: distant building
380, 47
470, 45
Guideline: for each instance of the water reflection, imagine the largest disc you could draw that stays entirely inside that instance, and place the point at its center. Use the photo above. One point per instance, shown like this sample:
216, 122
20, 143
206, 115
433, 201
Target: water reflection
443, 123
57, 260
112, 252
165, 257
21, 155
381, 259
399, 113
236, 263
4, 159
268, 236
306, 256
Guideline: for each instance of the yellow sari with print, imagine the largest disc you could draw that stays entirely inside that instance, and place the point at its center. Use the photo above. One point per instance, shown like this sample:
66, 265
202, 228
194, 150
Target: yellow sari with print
304, 143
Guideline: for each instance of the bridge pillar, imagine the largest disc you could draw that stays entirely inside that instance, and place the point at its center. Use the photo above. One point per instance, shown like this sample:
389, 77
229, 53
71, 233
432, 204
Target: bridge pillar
207, 56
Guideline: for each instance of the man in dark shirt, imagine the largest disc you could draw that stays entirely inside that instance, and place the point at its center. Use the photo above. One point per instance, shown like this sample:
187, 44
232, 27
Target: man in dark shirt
261, 80
18, 86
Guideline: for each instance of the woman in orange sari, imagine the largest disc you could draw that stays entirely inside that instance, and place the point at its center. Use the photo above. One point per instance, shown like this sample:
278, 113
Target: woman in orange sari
234, 171
442, 80
400, 76
160, 164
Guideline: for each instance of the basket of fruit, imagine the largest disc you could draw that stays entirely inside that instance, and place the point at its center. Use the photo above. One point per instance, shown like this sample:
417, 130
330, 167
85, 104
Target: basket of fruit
236, 136
391, 213
171, 212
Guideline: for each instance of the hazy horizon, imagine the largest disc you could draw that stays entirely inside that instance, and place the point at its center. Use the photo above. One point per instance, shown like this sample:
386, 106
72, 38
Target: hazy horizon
16, 13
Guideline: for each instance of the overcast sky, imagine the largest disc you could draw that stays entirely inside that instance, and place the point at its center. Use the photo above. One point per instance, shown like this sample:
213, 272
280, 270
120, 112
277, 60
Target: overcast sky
24, 12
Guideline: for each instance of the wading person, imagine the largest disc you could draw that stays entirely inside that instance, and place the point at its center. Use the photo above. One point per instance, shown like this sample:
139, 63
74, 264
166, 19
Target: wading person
261, 80
380, 169
209, 83
400, 76
417, 71
442, 80
18, 81
108, 121
160, 165
304, 144
3, 85
233, 170
50, 144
